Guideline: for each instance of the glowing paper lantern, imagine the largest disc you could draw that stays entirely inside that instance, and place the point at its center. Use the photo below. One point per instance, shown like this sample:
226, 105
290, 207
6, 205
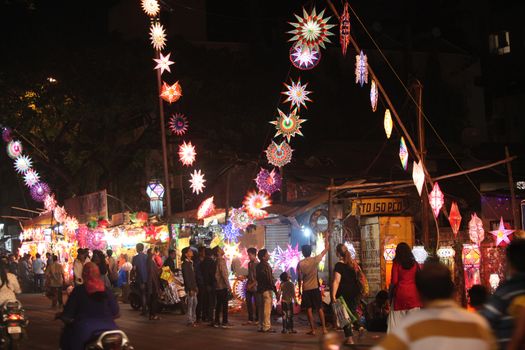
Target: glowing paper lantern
436, 199
231, 233
231, 250
150, 7
96, 239
312, 30
475, 229
163, 62
50, 202
40, 191
286, 260
361, 69
31, 178
23, 164
344, 29
403, 153
206, 208
178, 124
255, 203
197, 181
304, 58
279, 154
471, 255
70, 224
187, 153
240, 219
388, 124
7, 134
446, 252
60, 214
157, 36
418, 176
374, 95
171, 93
268, 181
155, 192
494, 281
501, 234
297, 94
14, 149
420, 254
390, 252
454, 218
288, 125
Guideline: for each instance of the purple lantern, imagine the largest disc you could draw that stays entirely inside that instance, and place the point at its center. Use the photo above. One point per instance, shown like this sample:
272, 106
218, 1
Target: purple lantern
40, 191
155, 192
7, 134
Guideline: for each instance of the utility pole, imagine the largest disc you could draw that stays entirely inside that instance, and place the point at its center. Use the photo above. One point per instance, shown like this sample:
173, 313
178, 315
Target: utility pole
164, 148
418, 87
514, 205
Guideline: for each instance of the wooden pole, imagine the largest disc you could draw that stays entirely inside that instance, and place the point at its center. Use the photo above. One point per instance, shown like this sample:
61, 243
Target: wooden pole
329, 233
513, 203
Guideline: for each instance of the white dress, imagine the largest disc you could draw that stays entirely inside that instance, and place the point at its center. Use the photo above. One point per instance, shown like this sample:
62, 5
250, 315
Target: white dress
8, 290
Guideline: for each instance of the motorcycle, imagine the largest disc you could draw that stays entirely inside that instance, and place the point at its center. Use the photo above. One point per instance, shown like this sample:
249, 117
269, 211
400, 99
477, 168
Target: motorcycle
110, 340
13, 325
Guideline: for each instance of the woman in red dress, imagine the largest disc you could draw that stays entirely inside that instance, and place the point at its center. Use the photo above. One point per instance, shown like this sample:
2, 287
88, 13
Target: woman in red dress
405, 297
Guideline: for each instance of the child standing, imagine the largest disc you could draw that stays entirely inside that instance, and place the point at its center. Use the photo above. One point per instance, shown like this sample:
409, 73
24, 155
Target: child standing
287, 291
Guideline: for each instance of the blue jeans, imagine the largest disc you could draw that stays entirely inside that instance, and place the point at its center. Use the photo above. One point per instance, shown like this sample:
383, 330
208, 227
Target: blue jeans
191, 299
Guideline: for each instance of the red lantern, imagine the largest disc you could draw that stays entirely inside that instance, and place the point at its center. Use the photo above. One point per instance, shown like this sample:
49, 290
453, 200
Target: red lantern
142, 216
344, 29
454, 218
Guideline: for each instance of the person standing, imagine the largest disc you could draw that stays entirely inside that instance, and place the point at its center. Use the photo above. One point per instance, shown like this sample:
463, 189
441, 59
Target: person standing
12, 264
170, 260
265, 287
140, 272
307, 271
49, 259
55, 278
112, 267
287, 289
505, 310
345, 285
208, 268
197, 261
100, 260
190, 285
153, 285
251, 287
441, 324
24, 273
38, 273
78, 265
222, 287
403, 285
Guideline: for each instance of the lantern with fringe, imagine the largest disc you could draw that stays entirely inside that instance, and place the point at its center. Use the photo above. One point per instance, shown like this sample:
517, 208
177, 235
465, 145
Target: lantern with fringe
454, 218
436, 199
344, 29
361, 69
155, 191
374, 95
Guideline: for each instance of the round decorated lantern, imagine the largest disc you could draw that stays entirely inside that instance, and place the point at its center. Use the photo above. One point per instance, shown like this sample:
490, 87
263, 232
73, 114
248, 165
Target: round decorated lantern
390, 252
420, 254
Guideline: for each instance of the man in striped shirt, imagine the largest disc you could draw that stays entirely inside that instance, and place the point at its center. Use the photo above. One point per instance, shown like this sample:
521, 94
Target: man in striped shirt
505, 310
441, 324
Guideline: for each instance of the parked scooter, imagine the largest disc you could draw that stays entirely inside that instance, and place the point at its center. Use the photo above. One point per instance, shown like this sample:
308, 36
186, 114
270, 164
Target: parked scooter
110, 340
13, 325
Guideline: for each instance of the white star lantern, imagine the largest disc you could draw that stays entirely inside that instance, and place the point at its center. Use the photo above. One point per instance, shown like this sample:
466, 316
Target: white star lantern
197, 182
150, 7
31, 178
23, 164
163, 62
297, 94
501, 234
187, 153
157, 36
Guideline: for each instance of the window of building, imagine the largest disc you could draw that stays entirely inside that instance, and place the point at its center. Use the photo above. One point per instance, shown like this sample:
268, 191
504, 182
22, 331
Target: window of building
499, 43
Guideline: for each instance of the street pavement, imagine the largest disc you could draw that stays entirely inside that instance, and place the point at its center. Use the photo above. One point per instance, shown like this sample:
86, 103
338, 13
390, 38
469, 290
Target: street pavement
171, 331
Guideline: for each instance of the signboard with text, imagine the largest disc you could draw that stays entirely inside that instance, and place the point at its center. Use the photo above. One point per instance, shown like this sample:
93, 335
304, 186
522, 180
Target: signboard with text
378, 206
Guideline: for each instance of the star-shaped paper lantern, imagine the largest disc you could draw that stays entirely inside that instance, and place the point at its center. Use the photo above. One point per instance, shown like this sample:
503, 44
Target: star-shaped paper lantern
31, 178
288, 125
206, 208
279, 154
230, 232
268, 181
14, 149
304, 58
475, 229
157, 36
501, 234
374, 95
312, 30
197, 182
50, 202
59, 214
361, 69
388, 124
436, 199
297, 94
288, 259
23, 164
231, 250
240, 219
403, 153
40, 191
187, 153
70, 224
178, 124
171, 93
344, 29
150, 7
163, 62
255, 203
454, 218
418, 176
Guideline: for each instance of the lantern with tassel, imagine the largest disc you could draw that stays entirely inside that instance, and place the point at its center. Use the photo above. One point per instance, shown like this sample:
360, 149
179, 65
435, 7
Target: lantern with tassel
155, 192
454, 218
436, 199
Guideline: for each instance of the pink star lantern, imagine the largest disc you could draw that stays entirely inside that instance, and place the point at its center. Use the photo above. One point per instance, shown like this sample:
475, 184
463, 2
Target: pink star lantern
163, 63
501, 234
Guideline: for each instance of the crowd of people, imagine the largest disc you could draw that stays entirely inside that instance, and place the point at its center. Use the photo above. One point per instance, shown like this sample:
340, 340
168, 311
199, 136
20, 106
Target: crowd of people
419, 310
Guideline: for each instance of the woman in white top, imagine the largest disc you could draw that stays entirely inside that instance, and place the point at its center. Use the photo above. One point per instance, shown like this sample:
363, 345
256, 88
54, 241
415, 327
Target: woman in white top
8, 285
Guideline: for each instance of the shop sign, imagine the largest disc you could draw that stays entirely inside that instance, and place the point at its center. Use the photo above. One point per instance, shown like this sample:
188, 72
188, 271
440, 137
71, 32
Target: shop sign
378, 206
